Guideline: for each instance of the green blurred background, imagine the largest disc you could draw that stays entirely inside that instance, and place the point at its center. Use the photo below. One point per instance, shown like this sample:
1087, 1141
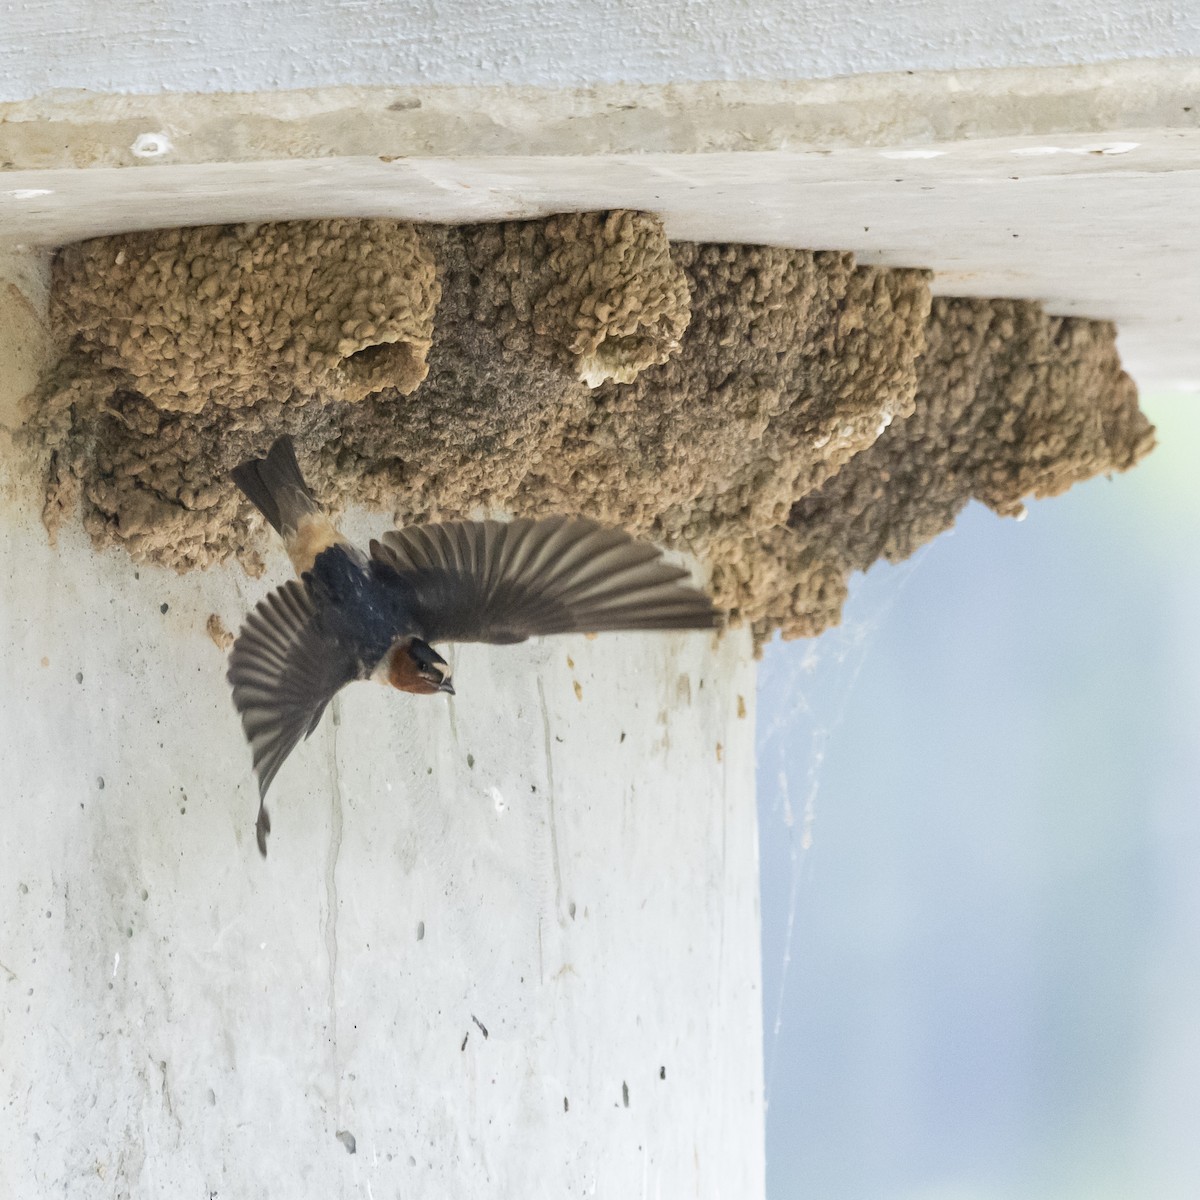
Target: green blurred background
980, 841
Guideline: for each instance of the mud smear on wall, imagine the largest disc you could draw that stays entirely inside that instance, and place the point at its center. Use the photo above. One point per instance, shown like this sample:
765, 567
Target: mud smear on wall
786, 415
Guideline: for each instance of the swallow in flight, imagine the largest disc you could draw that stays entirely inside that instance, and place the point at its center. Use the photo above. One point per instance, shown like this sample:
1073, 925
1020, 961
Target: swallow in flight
354, 615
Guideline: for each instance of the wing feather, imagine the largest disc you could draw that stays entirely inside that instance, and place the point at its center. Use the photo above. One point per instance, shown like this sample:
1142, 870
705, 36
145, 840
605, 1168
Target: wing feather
284, 669
492, 581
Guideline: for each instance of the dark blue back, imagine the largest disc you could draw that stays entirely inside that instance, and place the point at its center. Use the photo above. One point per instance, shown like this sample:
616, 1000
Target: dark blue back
362, 607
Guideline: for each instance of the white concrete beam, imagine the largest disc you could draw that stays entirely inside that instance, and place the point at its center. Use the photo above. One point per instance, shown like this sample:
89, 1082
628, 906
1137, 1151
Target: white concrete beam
1076, 187
226, 45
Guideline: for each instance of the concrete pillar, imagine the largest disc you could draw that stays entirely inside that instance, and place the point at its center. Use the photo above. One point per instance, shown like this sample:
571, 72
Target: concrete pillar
504, 946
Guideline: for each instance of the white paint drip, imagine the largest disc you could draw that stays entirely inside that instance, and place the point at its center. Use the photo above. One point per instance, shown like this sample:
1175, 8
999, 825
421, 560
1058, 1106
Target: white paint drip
1114, 148
29, 193
1106, 148
116, 963
151, 145
913, 153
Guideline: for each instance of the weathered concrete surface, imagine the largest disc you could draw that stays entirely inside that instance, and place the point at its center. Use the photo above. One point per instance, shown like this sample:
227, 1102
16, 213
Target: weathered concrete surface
565, 854
223, 45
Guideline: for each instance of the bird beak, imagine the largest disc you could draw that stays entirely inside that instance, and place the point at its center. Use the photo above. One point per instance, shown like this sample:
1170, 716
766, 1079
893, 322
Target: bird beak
446, 686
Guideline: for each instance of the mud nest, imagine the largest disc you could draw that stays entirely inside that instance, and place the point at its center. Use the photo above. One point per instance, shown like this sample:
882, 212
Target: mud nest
787, 416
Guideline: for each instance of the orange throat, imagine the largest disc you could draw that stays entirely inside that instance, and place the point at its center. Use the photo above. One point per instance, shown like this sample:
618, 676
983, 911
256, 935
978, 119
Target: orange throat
402, 672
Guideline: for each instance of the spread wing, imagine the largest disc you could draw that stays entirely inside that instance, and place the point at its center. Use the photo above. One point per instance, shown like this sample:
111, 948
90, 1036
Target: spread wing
494, 581
284, 669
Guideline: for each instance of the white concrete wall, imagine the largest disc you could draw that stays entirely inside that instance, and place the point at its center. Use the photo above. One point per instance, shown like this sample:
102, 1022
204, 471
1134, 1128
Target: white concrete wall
564, 854
228, 45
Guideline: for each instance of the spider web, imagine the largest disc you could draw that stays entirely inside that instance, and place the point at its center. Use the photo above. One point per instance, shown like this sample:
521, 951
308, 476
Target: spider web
804, 691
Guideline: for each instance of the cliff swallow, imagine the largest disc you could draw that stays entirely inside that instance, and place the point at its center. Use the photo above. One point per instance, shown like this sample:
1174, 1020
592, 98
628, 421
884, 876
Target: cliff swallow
355, 615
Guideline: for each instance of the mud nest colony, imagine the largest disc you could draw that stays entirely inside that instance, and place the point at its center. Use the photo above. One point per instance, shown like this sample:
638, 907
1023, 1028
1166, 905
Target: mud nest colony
787, 416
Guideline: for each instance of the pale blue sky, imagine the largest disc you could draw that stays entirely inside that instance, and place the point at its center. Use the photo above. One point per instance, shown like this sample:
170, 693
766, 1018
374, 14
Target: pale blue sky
994, 979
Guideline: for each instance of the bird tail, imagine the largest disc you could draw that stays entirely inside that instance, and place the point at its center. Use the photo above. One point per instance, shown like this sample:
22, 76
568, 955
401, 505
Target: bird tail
275, 486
